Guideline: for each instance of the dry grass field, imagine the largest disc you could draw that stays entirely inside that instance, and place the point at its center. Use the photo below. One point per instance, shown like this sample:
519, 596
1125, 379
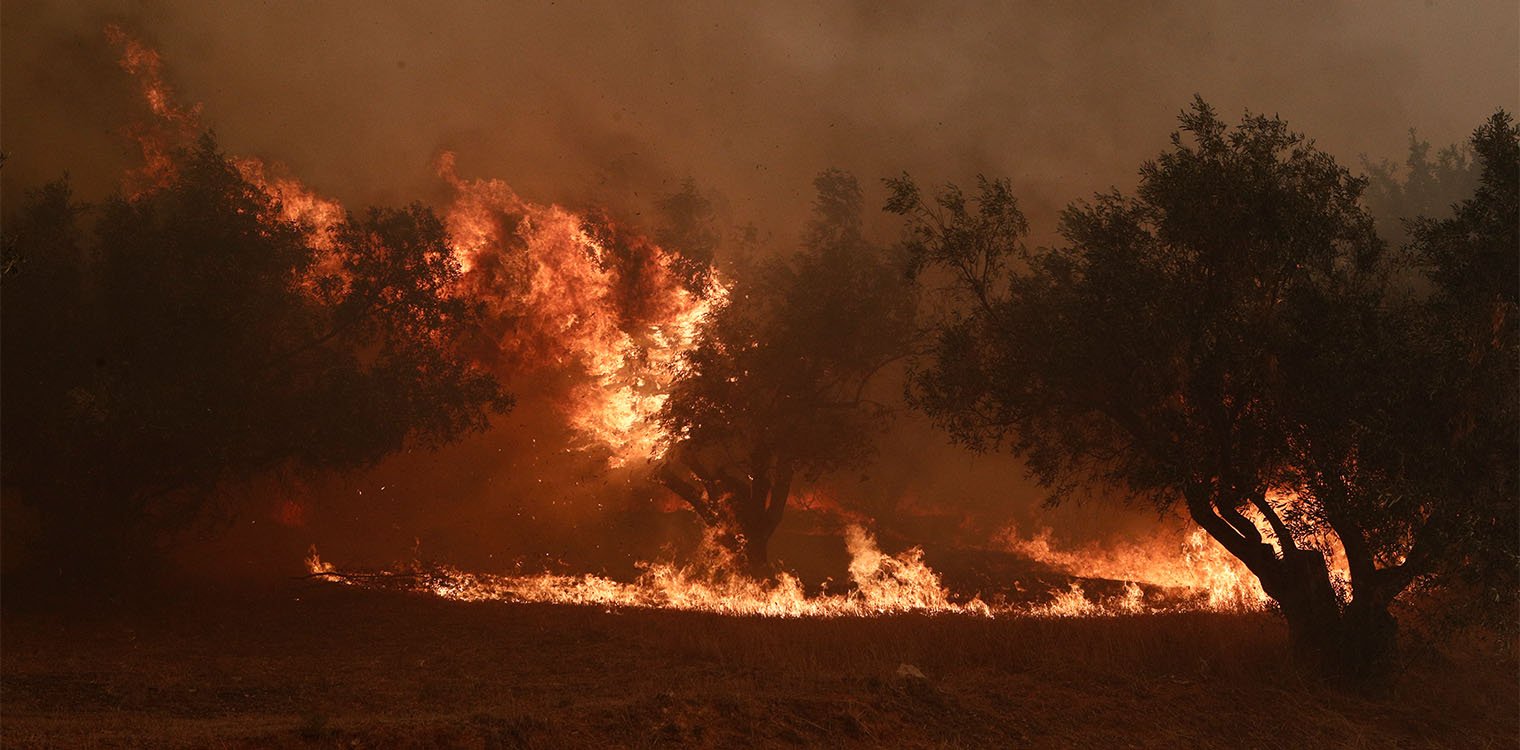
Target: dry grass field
322, 666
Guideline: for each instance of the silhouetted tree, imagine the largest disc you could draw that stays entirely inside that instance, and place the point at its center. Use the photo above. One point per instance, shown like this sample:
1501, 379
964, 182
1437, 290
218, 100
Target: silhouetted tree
192, 337
688, 226
1227, 334
1471, 370
1425, 186
775, 391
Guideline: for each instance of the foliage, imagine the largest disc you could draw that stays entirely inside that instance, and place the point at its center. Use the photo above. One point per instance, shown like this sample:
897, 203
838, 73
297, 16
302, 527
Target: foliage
688, 226
1425, 186
1228, 338
776, 387
1470, 327
193, 337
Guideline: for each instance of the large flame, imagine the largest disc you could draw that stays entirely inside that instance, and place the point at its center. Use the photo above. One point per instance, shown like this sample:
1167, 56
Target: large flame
613, 322
172, 125
620, 317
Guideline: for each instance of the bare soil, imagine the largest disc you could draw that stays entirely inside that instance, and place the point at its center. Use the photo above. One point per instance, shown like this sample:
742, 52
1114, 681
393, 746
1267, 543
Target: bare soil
322, 666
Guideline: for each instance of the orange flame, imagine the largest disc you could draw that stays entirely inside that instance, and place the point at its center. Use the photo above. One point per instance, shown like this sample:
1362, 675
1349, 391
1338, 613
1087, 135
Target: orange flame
562, 296
1198, 564
173, 125
560, 299
881, 584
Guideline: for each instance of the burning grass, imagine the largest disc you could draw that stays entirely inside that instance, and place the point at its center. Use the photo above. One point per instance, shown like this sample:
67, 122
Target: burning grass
879, 584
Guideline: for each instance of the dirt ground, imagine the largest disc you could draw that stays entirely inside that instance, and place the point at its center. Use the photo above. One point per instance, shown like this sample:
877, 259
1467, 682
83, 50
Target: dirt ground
315, 665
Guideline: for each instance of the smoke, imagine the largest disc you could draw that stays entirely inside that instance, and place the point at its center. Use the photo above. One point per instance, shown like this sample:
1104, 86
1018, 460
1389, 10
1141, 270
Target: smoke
615, 100
615, 104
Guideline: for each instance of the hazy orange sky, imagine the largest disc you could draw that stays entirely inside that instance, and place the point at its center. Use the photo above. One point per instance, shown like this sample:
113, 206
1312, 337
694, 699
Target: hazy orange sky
614, 100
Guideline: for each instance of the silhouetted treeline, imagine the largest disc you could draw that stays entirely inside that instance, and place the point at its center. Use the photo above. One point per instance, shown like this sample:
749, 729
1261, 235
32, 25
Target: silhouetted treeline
1235, 338
156, 347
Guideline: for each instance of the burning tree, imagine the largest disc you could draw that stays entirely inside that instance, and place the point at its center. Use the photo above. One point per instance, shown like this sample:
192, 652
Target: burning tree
164, 344
776, 389
1231, 338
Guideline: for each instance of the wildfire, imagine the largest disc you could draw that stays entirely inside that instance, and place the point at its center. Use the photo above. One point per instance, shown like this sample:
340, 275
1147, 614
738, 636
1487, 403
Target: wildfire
607, 310
1197, 564
298, 203
615, 320
879, 584
172, 125
175, 126
566, 299
883, 584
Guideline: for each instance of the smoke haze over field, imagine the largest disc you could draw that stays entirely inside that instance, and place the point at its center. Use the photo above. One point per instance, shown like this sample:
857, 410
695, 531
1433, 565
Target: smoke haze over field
611, 98
614, 104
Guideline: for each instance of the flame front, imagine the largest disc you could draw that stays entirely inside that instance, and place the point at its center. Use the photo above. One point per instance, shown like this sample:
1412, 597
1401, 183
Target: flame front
880, 584
883, 584
1198, 565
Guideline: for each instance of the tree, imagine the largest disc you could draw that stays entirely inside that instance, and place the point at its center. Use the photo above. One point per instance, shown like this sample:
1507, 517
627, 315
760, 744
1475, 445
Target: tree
688, 226
192, 338
1468, 329
1425, 187
1227, 339
776, 389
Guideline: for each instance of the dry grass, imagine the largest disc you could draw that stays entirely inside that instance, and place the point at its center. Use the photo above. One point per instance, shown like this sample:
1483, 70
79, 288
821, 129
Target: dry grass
323, 666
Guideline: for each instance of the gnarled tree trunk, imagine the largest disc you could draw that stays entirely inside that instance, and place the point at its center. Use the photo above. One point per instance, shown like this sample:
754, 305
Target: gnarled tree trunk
1356, 641
749, 506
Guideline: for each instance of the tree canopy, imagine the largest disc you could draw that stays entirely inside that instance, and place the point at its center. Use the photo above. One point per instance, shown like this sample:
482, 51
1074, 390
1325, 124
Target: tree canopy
1425, 185
161, 345
1228, 339
776, 388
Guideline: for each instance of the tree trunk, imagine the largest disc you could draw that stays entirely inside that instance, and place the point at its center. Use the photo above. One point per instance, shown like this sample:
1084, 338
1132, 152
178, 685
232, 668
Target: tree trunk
755, 531
747, 505
1357, 643
756, 551
1302, 588
1369, 642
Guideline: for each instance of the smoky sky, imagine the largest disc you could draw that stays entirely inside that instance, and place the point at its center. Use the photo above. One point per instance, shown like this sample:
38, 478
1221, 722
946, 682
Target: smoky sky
616, 103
